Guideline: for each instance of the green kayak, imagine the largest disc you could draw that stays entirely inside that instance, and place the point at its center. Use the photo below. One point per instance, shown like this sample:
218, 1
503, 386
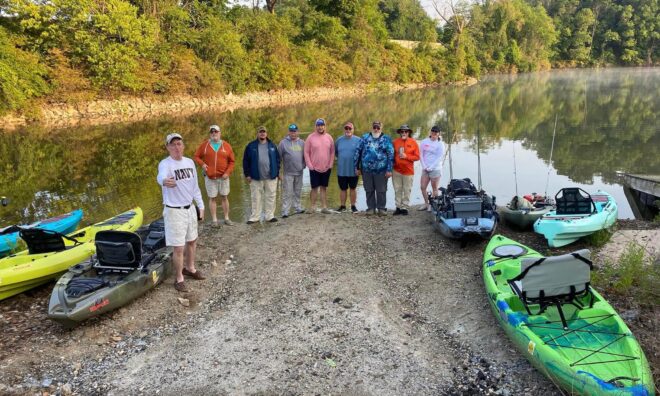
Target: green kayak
565, 328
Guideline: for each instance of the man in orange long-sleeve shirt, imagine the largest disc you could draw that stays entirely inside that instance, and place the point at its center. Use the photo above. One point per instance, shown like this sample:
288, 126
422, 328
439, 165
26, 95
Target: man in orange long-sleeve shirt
216, 158
406, 152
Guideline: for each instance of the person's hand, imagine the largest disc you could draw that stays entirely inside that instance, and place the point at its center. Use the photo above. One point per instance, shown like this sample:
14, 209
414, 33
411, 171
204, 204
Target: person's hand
225, 176
201, 215
205, 167
357, 172
279, 177
403, 156
388, 175
169, 182
248, 179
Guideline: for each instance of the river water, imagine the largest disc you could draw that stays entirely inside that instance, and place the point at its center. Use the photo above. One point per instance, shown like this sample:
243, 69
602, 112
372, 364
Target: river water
606, 123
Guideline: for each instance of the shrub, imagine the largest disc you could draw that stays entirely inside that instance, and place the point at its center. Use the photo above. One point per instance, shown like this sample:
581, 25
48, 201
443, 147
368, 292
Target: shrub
21, 75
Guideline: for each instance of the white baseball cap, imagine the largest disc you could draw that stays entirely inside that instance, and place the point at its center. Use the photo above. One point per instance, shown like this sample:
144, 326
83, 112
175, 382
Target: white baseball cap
171, 137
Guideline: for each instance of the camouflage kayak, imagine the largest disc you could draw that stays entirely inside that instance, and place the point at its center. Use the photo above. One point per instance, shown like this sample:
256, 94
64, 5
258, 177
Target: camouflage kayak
126, 266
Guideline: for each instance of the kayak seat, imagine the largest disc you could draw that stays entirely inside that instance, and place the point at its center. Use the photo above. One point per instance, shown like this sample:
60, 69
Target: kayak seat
118, 251
42, 241
554, 281
574, 201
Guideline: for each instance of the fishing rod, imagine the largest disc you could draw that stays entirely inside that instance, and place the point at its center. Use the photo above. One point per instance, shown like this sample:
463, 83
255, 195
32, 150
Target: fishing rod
515, 170
478, 160
552, 148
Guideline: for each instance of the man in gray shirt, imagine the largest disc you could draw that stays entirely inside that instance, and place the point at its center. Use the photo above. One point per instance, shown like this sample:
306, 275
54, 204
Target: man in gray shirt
291, 150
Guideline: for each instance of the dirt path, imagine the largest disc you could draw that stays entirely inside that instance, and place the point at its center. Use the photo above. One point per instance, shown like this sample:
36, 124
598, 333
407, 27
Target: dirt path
314, 304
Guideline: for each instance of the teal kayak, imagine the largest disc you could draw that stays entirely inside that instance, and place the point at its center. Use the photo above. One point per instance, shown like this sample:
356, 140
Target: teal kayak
63, 224
577, 214
567, 330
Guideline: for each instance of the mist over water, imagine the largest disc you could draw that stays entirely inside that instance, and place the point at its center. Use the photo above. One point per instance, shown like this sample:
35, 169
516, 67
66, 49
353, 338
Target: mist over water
606, 122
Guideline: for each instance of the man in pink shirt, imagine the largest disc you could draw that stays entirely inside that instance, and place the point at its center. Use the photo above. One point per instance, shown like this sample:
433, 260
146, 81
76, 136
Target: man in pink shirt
319, 157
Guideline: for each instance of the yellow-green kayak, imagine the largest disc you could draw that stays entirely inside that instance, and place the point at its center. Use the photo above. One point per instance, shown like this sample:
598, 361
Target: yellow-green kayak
50, 254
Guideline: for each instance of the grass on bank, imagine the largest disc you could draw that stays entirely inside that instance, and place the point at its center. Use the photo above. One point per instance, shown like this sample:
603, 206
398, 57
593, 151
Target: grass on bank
635, 275
599, 238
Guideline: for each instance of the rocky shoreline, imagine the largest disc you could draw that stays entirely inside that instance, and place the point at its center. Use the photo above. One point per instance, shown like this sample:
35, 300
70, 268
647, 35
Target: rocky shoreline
314, 304
131, 109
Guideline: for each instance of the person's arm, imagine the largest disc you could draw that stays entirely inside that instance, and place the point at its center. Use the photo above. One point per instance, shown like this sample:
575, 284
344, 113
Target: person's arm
331, 152
246, 163
198, 155
280, 150
357, 163
231, 160
197, 195
162, 173
306, 153
389, 150
421, 156
414, 155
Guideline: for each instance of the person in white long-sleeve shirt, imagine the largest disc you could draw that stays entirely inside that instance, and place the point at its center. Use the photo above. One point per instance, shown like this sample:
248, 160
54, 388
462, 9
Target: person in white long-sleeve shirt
178, 177
432, 152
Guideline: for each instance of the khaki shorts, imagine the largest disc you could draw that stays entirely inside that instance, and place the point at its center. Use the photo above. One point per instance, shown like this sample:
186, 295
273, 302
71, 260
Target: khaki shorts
215, 187
180, 225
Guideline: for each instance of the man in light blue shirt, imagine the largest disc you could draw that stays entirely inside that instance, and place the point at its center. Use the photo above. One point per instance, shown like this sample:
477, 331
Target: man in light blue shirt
345, 148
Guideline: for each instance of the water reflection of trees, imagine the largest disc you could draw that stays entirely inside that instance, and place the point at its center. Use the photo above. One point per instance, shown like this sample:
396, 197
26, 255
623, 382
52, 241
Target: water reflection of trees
606, 122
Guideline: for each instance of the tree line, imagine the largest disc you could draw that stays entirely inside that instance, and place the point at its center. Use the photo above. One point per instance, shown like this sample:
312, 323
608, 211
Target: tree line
77, 50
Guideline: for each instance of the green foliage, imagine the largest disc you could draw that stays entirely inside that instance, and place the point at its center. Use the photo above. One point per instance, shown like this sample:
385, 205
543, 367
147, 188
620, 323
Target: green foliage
82, 49
635, 275
512, 35
407, 20
21, 75
599, 238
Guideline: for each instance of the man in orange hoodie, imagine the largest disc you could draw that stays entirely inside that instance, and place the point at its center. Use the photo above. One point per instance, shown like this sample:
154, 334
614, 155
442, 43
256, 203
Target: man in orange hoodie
406, 152
216, 158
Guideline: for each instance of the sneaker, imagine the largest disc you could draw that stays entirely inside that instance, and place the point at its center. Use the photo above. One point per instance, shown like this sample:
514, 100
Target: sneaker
404, 212
317, 210
381, 212
181, 287
328, 211
369, 212
397, 212
197, 275
423, 207
251, 222
273, 220
341, 209
284, 216
229, 222
300, 211
353, 209
215, 224
429, 209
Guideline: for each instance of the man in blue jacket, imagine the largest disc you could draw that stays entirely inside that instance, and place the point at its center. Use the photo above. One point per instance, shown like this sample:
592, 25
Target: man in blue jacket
261, 167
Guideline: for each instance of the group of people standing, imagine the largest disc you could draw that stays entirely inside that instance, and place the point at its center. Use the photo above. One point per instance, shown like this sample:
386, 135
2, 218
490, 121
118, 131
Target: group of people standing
374, 157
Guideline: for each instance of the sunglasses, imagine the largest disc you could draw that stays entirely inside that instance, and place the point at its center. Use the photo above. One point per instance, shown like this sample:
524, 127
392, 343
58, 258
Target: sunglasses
263, 132
214, 131
375, 127
405, 131
347, 128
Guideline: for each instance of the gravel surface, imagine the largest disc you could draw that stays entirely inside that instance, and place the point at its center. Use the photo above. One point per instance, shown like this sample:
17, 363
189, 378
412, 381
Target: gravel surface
313, 304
